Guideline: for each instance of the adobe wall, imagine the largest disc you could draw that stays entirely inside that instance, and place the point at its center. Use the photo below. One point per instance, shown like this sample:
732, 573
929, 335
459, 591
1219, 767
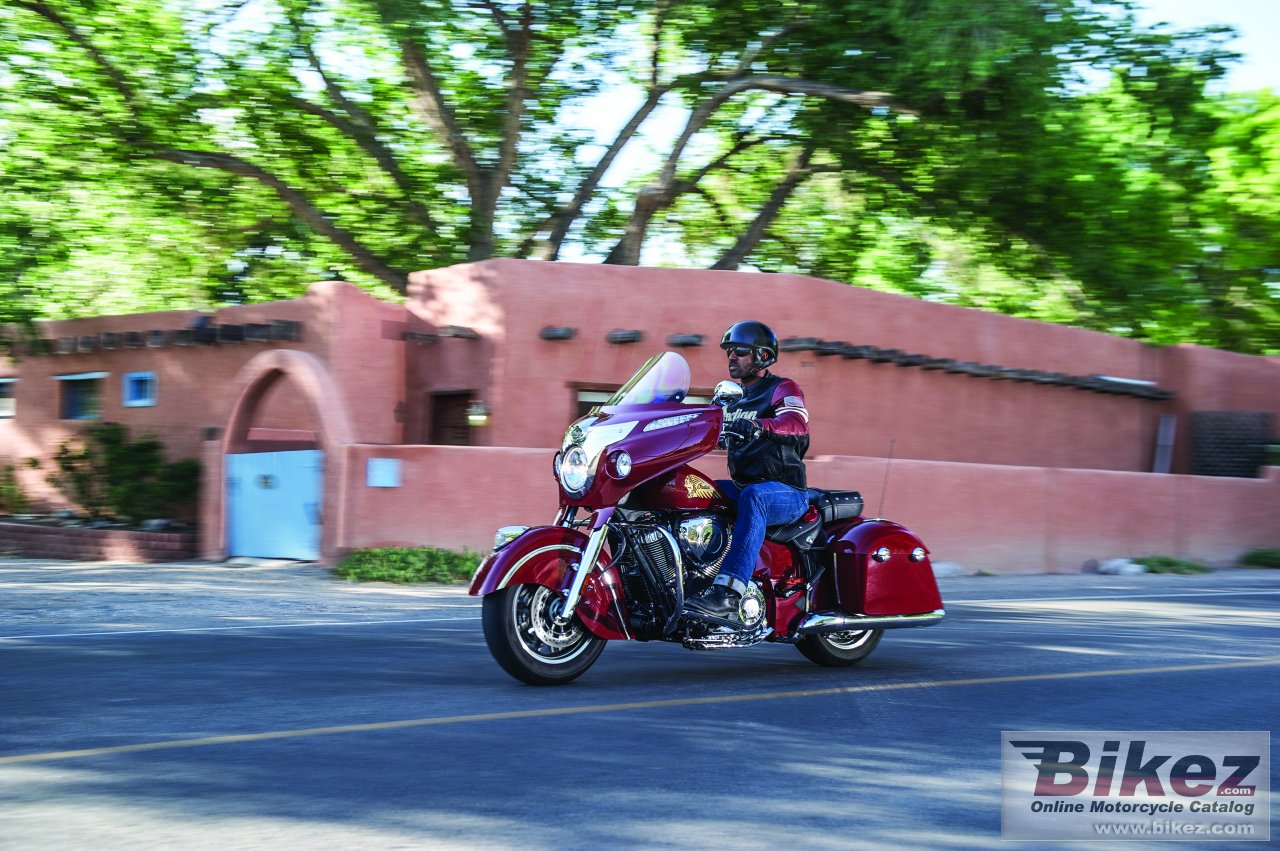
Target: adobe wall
357, 337
857, 407
1001, 519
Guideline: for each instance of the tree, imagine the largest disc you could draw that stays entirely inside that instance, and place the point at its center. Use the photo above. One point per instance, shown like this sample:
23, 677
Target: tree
910, 144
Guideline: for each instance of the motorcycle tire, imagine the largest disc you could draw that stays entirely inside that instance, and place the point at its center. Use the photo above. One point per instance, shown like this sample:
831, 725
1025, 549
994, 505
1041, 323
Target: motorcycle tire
839, 649
520, 630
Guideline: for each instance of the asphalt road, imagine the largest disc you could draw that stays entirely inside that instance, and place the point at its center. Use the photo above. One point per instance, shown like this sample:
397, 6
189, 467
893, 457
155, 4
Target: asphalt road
207, 706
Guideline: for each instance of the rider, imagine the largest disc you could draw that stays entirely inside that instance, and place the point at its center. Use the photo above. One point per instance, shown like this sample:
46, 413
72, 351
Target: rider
767, 435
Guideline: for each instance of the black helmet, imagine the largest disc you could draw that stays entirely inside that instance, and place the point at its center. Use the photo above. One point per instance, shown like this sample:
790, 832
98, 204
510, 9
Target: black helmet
758, 336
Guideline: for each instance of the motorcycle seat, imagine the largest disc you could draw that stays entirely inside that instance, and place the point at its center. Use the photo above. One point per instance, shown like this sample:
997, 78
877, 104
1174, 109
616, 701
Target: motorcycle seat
835, 505
829, 505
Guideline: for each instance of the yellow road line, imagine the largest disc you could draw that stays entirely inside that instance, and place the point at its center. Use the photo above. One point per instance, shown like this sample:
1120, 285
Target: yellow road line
173, 744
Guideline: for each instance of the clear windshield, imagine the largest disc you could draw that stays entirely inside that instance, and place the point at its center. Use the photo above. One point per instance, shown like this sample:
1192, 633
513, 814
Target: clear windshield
663, 378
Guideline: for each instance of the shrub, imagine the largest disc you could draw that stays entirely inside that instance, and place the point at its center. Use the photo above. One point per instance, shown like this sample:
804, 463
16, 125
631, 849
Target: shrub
1261, 558
107, 473
13, 499
407, 565
1169, 564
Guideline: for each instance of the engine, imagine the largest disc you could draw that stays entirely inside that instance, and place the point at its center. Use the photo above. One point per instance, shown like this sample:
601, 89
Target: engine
704, 542
651, 553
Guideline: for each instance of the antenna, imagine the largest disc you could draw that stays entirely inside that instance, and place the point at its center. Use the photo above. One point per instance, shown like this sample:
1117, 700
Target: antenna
884, 489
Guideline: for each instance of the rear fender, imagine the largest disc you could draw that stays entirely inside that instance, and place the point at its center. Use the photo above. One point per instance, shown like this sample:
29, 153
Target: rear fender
865, 586
546, 555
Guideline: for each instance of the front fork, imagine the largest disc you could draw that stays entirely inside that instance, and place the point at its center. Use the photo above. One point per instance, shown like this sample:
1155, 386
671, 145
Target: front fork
595, 543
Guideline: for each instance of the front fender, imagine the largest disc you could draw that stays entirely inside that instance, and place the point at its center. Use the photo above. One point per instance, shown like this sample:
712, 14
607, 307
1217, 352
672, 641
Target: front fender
898, 586
546, 555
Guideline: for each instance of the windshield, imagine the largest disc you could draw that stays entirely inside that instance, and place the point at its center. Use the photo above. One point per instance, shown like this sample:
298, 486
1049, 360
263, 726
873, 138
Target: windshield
663, 378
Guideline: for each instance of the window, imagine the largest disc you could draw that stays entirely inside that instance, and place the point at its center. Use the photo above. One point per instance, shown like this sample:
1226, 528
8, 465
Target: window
139, 389
7, 402
81, 395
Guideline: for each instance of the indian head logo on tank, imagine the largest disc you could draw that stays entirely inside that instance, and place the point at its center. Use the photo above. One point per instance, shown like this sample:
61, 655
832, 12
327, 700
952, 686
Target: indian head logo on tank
698, 488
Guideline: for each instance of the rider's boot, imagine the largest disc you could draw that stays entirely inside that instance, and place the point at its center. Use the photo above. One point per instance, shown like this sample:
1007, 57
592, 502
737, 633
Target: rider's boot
718, 604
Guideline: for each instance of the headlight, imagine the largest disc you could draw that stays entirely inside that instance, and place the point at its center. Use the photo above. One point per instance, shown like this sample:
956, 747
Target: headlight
918, 554
574, 469
506, 535
621, 463
881, 554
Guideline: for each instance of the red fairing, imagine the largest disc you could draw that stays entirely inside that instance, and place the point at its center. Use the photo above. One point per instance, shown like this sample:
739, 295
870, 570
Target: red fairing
863, 585
543, 556
653, 452
682, 489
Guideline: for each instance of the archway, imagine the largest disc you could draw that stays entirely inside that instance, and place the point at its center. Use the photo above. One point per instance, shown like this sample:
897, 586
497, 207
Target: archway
275, 488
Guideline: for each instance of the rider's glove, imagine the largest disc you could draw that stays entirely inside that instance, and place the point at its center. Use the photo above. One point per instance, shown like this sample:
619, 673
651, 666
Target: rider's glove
743, 431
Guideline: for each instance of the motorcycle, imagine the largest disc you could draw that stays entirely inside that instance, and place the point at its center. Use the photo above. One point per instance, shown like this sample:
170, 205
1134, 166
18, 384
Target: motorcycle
639, 531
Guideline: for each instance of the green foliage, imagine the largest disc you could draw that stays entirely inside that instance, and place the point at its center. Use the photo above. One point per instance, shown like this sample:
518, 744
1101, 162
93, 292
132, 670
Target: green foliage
1052, 160
110, 474
1261, 558
407, 565
1169, 564
13, 500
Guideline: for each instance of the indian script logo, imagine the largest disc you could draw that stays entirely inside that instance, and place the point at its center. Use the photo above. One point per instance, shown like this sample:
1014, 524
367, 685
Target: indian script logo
698, 488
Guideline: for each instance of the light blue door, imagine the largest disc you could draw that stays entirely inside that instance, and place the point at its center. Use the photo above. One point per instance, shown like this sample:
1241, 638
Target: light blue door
273, 504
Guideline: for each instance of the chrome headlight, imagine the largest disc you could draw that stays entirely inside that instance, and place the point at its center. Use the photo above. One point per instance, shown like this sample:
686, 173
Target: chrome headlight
575, 469
621, 463
506, 535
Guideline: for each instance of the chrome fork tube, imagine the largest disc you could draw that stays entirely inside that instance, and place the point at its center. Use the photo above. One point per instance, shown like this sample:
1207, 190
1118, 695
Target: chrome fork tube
595, 543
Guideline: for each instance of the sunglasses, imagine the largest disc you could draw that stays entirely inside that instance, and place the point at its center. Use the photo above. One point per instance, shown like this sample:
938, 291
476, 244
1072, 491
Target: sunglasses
738, 351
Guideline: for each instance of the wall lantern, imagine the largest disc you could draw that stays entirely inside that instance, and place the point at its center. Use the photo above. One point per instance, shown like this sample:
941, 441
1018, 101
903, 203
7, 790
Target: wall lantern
681, 340
478, 414
558, 333
620, 336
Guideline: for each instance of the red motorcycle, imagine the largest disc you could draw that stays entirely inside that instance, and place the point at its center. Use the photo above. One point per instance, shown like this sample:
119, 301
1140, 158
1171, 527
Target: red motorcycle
653, 532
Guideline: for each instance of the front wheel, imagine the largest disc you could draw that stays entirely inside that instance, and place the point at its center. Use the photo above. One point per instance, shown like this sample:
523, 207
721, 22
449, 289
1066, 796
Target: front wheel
839, 649
525, 639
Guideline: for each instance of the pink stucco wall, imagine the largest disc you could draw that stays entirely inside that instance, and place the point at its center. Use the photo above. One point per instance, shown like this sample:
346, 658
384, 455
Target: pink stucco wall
857, 407
1001, 519
1000, 475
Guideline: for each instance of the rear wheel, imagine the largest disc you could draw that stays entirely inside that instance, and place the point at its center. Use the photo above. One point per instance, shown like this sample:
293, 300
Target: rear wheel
839, 649
522, 633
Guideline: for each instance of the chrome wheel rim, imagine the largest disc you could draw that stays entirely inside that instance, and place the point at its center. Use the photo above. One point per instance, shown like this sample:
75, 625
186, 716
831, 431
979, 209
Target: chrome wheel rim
850, 640
534, 608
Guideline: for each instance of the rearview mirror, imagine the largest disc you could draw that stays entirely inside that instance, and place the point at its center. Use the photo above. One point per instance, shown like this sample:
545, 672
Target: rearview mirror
726, 393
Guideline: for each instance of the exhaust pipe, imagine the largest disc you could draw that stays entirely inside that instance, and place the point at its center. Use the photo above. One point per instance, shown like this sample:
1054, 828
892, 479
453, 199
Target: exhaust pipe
821, 622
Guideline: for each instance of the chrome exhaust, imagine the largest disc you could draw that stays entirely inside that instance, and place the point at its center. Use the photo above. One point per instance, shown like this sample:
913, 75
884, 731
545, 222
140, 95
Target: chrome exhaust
821, 622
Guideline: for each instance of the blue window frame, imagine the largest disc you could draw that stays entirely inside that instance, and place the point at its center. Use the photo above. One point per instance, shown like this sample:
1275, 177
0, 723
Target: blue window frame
7, 403
139, 389
81, 395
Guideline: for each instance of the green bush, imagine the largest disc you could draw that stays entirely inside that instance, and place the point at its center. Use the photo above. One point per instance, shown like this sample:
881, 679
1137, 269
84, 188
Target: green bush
13, 499
407, 565
1261, 558
110, 474
1169, 564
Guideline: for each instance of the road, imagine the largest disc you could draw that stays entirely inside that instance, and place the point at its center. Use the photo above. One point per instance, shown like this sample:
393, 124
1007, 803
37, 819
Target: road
199, 705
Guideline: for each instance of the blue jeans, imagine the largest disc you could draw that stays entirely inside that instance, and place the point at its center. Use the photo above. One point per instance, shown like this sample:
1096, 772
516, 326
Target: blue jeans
759, 505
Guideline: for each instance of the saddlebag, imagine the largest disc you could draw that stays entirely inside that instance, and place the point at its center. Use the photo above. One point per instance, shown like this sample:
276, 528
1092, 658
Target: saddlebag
836, 505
